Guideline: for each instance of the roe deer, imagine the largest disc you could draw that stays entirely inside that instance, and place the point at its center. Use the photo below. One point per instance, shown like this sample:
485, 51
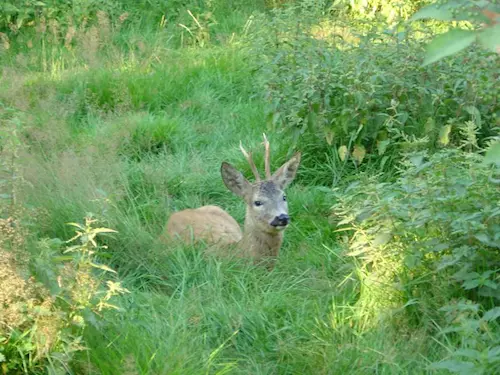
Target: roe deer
266, 212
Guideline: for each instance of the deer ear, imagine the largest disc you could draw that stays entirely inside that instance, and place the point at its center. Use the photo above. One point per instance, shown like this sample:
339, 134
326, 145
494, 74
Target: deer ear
234, 180
287, 172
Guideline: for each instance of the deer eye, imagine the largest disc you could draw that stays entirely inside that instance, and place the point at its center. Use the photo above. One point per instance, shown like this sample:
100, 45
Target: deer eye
284, 197
258, 203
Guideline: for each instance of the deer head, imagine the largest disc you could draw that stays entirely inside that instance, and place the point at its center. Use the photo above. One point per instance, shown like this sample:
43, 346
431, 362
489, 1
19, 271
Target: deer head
267, 208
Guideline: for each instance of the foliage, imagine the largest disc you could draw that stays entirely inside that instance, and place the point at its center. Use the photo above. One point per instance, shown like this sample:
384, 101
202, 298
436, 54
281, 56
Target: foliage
42, 325
193, 16
371, 100
431, 241
18, 15
483, 15
390, 11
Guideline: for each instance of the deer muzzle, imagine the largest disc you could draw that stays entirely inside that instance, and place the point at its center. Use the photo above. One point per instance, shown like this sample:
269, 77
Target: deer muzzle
280, 221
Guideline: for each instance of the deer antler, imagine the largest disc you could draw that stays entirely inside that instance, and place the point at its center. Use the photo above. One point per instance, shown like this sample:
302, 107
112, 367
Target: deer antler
248, 156
267, 158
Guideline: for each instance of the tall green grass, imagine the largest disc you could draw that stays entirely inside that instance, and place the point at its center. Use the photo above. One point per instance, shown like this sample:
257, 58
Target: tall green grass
225, 317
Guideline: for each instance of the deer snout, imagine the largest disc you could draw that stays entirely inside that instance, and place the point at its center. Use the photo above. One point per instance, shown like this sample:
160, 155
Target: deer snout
281, 220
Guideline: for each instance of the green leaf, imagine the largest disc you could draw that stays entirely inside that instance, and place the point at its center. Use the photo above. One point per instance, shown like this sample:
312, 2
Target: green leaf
102, 267
103, 230
490, 38
342, 152
382, 146
489, 293
359, 153
476, 115
444, 135
430, 124
72, 249
382, 239
448, 261
329, 137
471, 284
455, 366
412, 260
312, 119
435, 11
445, 12
490, 284
492, 155
494, 354
469, 353
448, 44
492, 314
62, 258
417, 160
485, 239
77, 225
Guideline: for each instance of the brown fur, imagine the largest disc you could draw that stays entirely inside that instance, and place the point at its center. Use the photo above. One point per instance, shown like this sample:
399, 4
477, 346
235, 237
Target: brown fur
208, 223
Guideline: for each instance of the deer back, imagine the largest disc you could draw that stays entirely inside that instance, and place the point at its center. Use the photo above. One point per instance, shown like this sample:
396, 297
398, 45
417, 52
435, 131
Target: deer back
208, 223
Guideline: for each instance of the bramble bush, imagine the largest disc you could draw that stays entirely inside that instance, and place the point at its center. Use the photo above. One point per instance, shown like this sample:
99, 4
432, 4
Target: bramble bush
428, 248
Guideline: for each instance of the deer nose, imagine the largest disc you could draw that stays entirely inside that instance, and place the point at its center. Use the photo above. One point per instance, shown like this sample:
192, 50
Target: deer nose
281, 220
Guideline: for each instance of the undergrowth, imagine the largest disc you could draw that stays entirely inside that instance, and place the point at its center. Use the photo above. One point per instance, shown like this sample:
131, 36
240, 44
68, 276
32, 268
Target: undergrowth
433, 238
367, 95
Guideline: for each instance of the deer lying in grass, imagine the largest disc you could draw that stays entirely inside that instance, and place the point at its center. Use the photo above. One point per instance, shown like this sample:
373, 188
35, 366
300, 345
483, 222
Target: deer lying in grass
266, 213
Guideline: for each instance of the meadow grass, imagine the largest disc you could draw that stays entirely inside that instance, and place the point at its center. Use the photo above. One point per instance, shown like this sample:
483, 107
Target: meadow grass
133, 131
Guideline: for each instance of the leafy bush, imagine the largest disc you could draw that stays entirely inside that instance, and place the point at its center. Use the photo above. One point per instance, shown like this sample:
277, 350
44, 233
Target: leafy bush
431, 241
41, 326
369, 95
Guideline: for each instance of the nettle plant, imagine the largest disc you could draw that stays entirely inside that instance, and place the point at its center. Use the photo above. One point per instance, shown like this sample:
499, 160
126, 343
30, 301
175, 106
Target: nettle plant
374, 99
42, 323
428, 245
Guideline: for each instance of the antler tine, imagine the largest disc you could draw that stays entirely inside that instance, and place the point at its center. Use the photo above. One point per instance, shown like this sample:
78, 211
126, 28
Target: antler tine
248, 156
267, 158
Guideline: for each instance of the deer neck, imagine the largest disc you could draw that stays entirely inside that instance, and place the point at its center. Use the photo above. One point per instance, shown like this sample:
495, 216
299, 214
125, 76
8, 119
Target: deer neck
257, 243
